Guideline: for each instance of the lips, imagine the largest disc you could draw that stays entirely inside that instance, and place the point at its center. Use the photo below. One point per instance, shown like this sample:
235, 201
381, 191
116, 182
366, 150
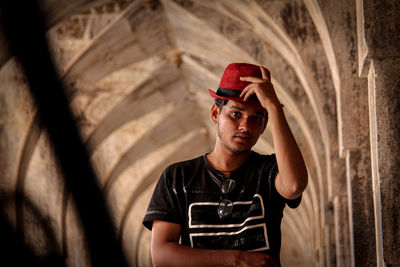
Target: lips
243, 137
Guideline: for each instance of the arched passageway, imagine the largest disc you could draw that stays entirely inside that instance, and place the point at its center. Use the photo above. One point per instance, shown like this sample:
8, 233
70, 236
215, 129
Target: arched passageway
137, 74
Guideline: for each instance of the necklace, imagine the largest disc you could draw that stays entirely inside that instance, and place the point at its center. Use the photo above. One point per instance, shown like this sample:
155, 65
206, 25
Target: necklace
224, 171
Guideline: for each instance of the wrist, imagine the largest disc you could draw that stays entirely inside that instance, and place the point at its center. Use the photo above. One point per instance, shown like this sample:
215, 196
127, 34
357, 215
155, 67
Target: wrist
274, 109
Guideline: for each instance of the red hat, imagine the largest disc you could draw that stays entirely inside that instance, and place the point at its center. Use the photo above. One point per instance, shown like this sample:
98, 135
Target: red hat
231, 86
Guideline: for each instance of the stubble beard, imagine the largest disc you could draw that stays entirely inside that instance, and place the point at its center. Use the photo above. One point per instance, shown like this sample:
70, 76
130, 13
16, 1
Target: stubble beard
227, 146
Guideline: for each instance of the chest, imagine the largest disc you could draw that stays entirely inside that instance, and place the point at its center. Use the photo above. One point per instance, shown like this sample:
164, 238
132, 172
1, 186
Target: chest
204, 198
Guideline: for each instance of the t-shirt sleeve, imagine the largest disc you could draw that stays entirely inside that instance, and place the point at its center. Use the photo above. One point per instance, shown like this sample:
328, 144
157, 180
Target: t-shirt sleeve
292, 203
163, 204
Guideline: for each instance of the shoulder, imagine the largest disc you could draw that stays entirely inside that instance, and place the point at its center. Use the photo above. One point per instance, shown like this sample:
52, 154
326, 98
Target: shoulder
262, 159
179, 174
186, 165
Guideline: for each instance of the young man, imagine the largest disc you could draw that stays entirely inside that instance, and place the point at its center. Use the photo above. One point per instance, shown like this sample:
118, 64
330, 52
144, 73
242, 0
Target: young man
225, 207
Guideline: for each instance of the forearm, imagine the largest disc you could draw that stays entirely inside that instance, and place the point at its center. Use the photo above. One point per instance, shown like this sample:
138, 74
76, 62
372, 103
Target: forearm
174, 254
166, 251
292, 177
292, 169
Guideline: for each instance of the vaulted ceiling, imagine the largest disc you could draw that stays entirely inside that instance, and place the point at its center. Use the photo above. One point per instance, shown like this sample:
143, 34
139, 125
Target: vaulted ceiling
137, 74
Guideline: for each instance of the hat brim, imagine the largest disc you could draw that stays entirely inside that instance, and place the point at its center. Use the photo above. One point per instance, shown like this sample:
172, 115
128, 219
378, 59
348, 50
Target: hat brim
214, 95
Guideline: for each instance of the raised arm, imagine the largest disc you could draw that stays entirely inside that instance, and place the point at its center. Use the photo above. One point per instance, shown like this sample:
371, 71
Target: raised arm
292, 177
166, 251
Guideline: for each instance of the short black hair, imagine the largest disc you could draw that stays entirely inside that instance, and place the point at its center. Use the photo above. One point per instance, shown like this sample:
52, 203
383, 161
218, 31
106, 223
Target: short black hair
220, 102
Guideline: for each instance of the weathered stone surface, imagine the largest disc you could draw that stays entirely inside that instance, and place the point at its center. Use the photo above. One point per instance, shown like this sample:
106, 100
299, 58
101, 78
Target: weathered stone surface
358, 164
382, 28
388, 158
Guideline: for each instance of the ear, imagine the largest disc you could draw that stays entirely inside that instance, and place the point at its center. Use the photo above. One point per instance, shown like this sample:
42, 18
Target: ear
214, 113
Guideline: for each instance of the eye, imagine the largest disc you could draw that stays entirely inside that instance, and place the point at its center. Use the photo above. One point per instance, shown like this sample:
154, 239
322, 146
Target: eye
257, 119
236, 114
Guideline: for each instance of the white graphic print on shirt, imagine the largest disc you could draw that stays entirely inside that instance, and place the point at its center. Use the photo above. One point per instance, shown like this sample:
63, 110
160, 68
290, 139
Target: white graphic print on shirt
245, 229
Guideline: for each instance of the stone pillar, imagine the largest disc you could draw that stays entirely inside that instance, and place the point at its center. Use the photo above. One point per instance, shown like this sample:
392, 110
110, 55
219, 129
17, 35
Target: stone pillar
384, 87
353, 199
362, 225
379, 61
341, 231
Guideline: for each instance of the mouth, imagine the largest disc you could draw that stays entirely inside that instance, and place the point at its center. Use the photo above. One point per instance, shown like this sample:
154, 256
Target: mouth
242, 138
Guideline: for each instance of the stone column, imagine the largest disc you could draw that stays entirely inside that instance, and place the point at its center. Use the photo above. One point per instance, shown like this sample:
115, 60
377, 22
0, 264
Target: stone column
379, 62
353, 199
361, 207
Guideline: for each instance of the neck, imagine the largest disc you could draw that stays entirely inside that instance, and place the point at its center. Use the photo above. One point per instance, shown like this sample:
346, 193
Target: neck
225, 160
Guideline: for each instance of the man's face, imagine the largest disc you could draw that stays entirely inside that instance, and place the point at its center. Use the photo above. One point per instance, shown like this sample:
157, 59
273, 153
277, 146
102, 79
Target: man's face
240, 124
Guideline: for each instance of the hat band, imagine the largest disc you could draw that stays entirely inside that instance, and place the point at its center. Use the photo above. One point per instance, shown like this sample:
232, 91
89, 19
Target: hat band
228, 92
225, 92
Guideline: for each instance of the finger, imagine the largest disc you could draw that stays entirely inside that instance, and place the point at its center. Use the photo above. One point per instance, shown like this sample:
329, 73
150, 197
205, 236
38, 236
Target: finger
248, 94
247, 88
244, 93
252, 79
266, 74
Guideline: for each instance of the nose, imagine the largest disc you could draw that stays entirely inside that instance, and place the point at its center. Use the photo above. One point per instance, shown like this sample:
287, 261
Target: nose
244, 125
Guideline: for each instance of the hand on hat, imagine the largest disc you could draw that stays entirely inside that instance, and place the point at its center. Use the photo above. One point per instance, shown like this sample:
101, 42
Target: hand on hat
263, 88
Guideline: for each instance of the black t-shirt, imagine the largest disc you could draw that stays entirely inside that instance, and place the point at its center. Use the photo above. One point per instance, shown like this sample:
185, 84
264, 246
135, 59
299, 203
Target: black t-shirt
189, 192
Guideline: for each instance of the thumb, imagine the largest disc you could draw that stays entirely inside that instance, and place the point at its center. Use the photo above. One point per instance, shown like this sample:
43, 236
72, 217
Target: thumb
266, 74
